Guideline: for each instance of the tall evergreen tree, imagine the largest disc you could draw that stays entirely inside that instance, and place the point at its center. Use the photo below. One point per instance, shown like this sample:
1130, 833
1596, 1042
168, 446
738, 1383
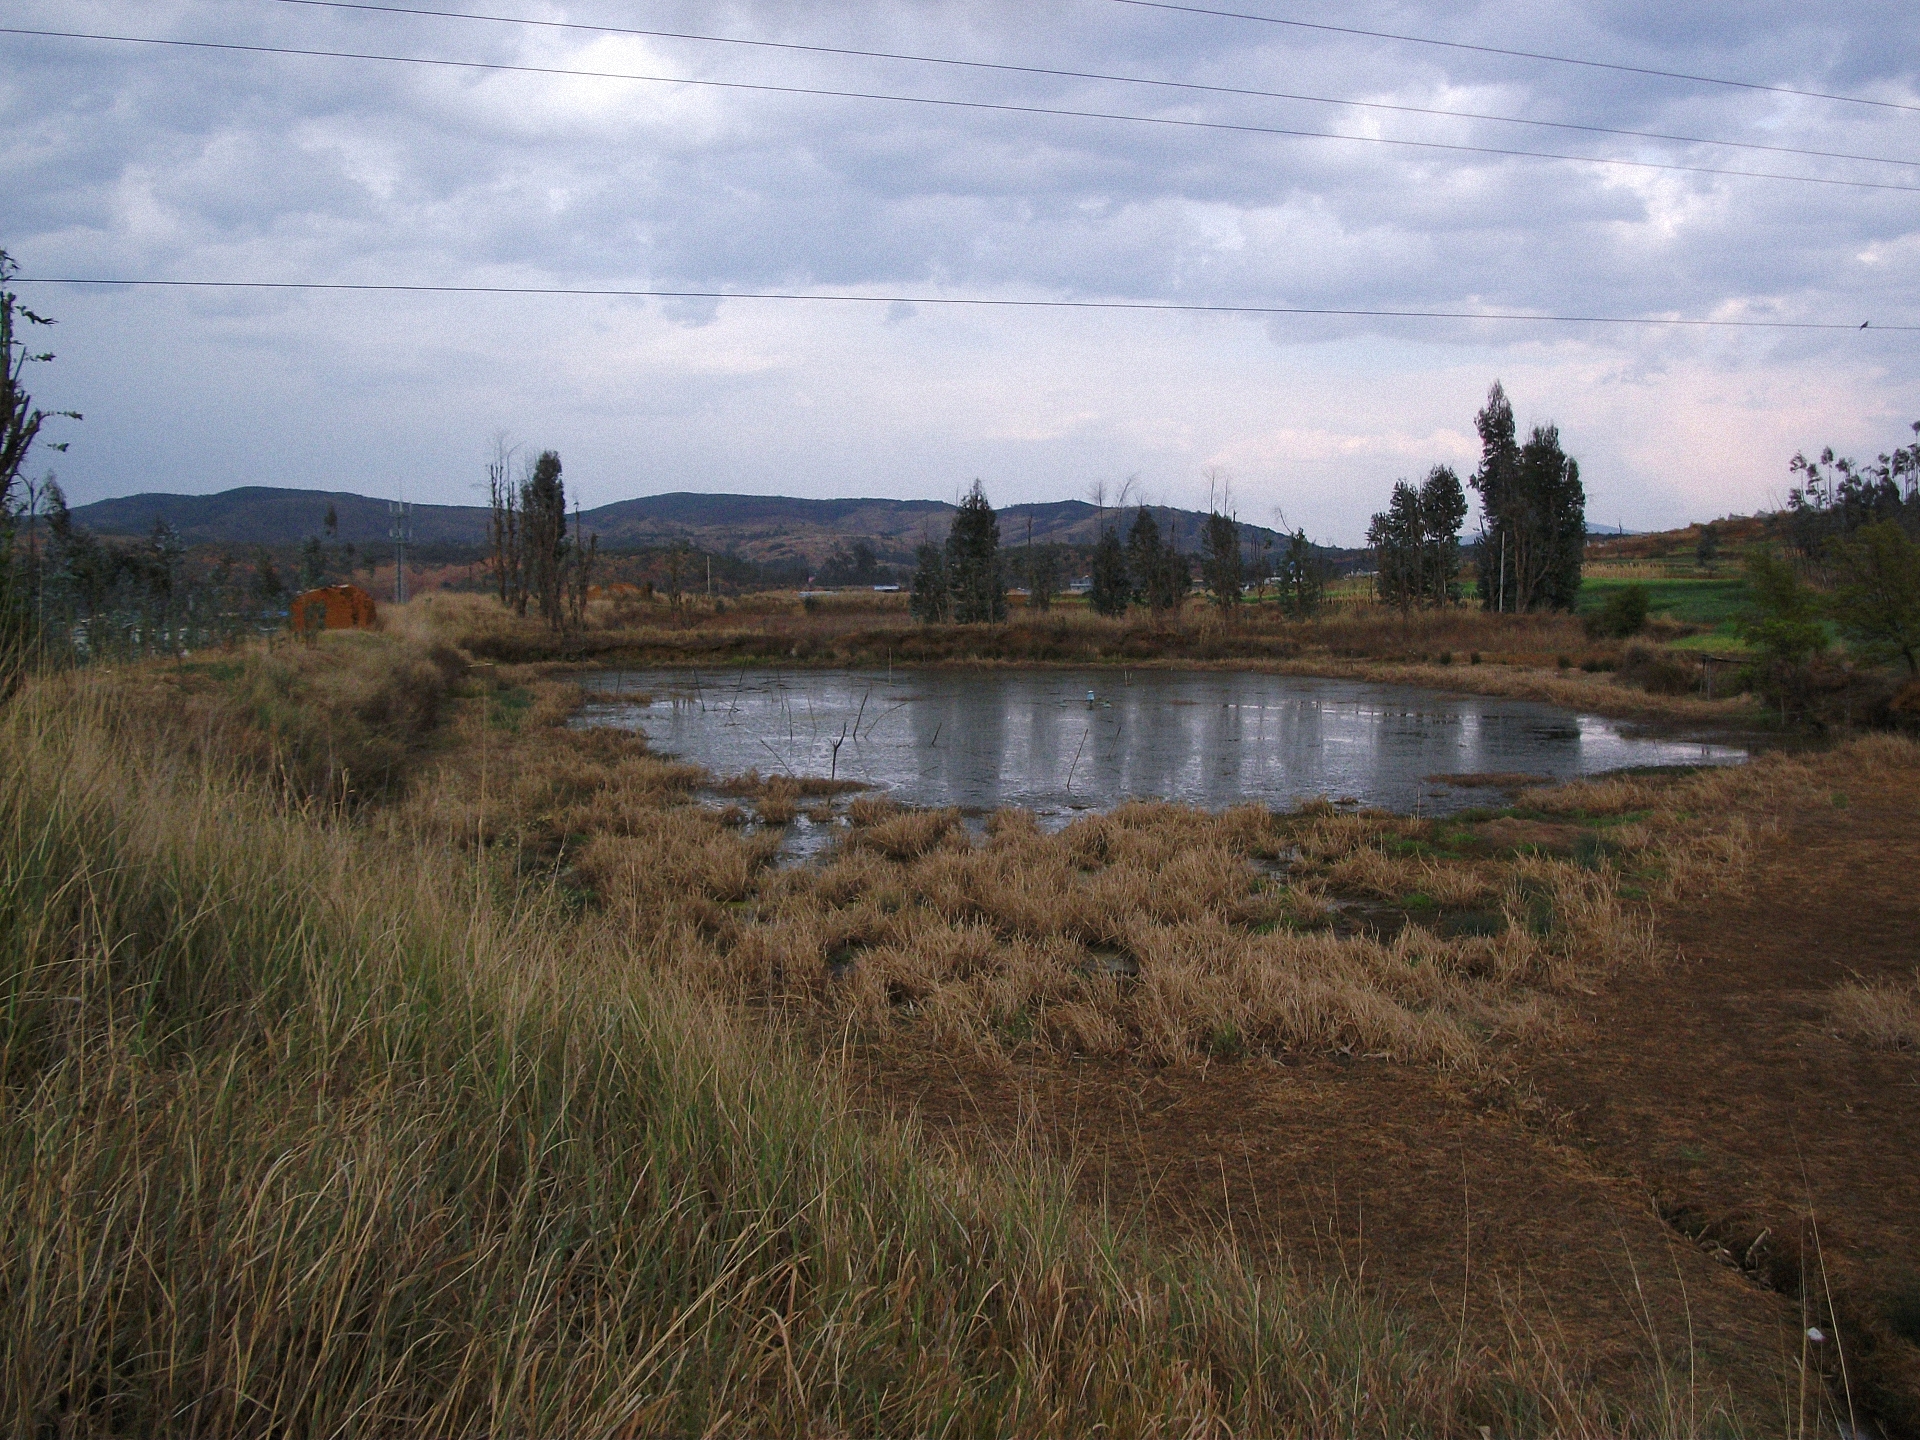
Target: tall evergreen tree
1497, 482
1552, 478
1535, 514
1443, 505
1172, 579
1156, 569
928, 601
1221, 567
543, 524
1303, 578
1112, 589
1397, 537
1143, 556
976, 578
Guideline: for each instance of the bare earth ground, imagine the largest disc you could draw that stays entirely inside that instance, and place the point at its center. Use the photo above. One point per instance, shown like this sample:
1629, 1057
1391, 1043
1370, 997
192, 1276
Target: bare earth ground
1652, 1182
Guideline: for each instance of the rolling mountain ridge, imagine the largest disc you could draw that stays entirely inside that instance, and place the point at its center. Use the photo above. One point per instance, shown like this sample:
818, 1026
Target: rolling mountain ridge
761, 528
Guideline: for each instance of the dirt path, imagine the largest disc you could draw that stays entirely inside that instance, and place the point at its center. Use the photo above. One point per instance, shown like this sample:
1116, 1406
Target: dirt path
1638, 1196
1718, 1087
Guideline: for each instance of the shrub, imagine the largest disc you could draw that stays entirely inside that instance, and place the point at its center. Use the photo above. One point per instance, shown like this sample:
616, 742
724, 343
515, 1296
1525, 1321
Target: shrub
1623, 614
1655, 672
1783, 625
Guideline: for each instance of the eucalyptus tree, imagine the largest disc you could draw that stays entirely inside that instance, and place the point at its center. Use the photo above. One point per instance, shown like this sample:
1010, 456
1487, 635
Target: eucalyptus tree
976, 578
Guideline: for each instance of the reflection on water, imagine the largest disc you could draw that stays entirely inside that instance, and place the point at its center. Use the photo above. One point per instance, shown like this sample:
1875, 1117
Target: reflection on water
1056, 741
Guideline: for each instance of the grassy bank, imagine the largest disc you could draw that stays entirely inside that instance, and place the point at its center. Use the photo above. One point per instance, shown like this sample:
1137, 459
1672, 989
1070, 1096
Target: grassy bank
401, 1116
1545, 657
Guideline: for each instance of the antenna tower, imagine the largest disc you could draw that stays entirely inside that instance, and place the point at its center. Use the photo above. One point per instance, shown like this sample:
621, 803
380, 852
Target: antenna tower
400, 532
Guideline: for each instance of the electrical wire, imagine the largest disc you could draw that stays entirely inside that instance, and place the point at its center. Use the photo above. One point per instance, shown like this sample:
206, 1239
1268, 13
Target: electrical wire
1518, 54
503, 67
991, 302
1048, 72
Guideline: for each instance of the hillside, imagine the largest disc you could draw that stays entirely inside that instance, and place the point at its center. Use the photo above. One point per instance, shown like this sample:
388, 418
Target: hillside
761, 528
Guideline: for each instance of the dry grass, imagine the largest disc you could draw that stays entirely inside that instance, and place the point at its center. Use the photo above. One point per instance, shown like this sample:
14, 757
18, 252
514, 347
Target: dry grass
1464, 649
1460, 648
320, 1125
1703, 829
336, 722
1884, 1014
1156, 931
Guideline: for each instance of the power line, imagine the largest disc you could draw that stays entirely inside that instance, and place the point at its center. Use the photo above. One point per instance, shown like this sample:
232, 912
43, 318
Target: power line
1060, 74
1519, 54
989, 302
977, 105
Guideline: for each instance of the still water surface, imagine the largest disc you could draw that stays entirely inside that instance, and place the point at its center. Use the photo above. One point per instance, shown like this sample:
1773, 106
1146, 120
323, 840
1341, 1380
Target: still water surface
1033, 738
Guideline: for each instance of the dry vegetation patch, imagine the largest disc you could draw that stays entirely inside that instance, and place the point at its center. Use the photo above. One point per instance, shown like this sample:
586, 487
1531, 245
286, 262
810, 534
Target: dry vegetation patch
1155, 931
1884, 1014
1544, 657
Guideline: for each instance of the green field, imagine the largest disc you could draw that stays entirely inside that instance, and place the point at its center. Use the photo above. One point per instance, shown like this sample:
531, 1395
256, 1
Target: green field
1693, 602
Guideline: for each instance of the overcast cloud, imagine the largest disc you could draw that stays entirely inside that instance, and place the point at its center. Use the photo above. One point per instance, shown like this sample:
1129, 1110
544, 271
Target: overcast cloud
126, 160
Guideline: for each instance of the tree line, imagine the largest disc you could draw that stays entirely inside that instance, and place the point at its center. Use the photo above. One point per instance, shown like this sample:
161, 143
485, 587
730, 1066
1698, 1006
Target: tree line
1850, 562
963, 580
1533, 524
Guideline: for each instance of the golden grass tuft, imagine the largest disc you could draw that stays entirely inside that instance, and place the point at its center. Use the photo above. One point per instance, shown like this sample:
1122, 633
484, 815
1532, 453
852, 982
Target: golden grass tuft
1884, 1014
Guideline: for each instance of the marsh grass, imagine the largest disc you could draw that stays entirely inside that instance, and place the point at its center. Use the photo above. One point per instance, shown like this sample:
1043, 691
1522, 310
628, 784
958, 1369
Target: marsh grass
325, 1120
1521, 652
338, 722
307, 1132
1155, 929
1149, 931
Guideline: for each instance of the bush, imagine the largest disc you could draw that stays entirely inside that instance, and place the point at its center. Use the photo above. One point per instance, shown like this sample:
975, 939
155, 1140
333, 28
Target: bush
1623, 614
1784, 627
1657, 673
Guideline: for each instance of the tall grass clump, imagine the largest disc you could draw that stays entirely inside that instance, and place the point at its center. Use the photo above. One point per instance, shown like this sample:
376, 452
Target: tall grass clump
1884, 1014
308, 1132
337, 722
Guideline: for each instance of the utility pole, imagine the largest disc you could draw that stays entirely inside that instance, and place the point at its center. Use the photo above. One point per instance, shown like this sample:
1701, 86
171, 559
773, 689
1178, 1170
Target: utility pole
399, 532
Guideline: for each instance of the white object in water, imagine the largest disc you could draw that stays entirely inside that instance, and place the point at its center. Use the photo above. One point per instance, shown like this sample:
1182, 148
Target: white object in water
1089, 697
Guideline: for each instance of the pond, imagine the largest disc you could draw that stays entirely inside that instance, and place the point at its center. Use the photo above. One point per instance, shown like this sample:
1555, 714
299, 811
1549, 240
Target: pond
1060, 741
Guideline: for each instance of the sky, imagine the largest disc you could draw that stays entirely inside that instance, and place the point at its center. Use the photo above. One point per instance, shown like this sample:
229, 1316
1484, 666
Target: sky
130, 161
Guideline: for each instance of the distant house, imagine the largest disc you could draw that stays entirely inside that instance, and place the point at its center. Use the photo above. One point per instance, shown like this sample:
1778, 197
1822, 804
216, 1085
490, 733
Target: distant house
332, 607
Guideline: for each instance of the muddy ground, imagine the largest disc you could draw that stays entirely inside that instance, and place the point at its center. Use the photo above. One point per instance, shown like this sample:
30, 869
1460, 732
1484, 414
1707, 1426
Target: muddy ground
1692, 1172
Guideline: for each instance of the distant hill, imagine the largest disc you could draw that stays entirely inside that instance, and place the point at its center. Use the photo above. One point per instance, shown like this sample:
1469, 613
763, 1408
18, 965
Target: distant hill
761, 528
266, 515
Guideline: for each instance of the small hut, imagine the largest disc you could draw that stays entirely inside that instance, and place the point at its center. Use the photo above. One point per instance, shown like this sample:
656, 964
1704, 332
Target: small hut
332, 607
